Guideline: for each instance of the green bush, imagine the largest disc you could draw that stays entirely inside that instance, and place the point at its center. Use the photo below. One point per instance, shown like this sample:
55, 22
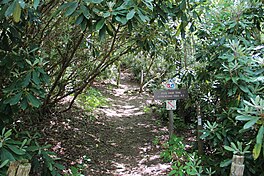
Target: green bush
183, 162
24, 147
174, 149
92, 99
226, 80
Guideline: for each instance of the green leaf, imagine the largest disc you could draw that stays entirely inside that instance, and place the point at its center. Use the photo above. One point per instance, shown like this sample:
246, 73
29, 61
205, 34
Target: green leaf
84, 25
100, 24
6, 155
8, 133
130, 26
33, 148
3, 131
50, 166
251, 122
3, 164
183, 5
218, 135
142, 17
15, 99
35, 77
263, 149
184, 19
244, 88
33, 101
24, 143
226, 162
24, 104
36, 4
71, 9
130, 15
204, 135
246, 149
260, 135
121, 19
149, 4
26, 80
45, 78
17, 13
233, 145
172, 172
15, 149
96, 1
102, 33
22, 3
10, 9
29, 62
106, 14
239, 146
59, 166
243, 118
85, 11
229, 148
79, 20
257, 100
74, 170
109, 29
256, 151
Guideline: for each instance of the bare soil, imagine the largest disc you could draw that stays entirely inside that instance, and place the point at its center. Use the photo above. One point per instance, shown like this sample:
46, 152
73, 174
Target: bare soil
120, 141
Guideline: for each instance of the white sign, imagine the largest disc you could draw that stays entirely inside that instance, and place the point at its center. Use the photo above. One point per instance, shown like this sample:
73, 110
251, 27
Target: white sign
171, 104
199, 121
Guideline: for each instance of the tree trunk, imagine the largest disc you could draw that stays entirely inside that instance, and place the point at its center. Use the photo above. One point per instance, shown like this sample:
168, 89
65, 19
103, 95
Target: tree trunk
119, 74
12, 168
141, 81
23, 169
237, 167
19, 168
171, 123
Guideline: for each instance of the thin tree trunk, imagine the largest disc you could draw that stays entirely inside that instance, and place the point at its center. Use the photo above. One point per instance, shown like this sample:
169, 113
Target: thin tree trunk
119, 74
141, 81
64, 67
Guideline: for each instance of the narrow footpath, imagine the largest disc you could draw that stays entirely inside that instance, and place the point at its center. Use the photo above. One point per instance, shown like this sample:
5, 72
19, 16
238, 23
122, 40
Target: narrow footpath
128, 148
121, 139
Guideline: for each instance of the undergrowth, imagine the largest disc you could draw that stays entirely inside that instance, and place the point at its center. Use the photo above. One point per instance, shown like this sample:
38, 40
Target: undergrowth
92, 99
183, 162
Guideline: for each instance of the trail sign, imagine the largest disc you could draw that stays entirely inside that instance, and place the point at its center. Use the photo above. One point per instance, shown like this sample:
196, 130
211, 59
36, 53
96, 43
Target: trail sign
171, 104
170, 94
170, 84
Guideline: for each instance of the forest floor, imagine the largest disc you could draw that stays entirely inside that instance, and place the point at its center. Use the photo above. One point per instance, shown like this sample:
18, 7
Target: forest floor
123, 139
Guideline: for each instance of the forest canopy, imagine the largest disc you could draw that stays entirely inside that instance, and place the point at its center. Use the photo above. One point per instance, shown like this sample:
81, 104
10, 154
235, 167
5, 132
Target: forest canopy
50, 50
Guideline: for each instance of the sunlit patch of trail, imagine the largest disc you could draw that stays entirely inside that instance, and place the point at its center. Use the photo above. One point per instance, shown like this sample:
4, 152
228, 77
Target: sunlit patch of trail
130, 138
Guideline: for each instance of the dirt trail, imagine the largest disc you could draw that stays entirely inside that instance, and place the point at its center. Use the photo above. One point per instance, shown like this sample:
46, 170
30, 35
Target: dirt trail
129, 138
119, 142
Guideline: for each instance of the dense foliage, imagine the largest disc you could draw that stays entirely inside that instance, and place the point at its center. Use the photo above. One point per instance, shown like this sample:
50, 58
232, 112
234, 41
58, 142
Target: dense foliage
229, 79
53, 49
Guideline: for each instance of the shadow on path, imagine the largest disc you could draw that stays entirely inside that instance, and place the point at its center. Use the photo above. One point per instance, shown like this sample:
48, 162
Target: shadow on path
129, 140
119, 142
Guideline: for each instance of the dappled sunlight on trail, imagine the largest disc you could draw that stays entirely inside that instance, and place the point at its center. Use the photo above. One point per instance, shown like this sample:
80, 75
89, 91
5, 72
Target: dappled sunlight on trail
125, 101
119, 139
130, 138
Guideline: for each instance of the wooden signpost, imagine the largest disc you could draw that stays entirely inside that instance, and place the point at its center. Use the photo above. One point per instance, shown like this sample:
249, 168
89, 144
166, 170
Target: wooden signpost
19, 168
170, 95
237, 167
